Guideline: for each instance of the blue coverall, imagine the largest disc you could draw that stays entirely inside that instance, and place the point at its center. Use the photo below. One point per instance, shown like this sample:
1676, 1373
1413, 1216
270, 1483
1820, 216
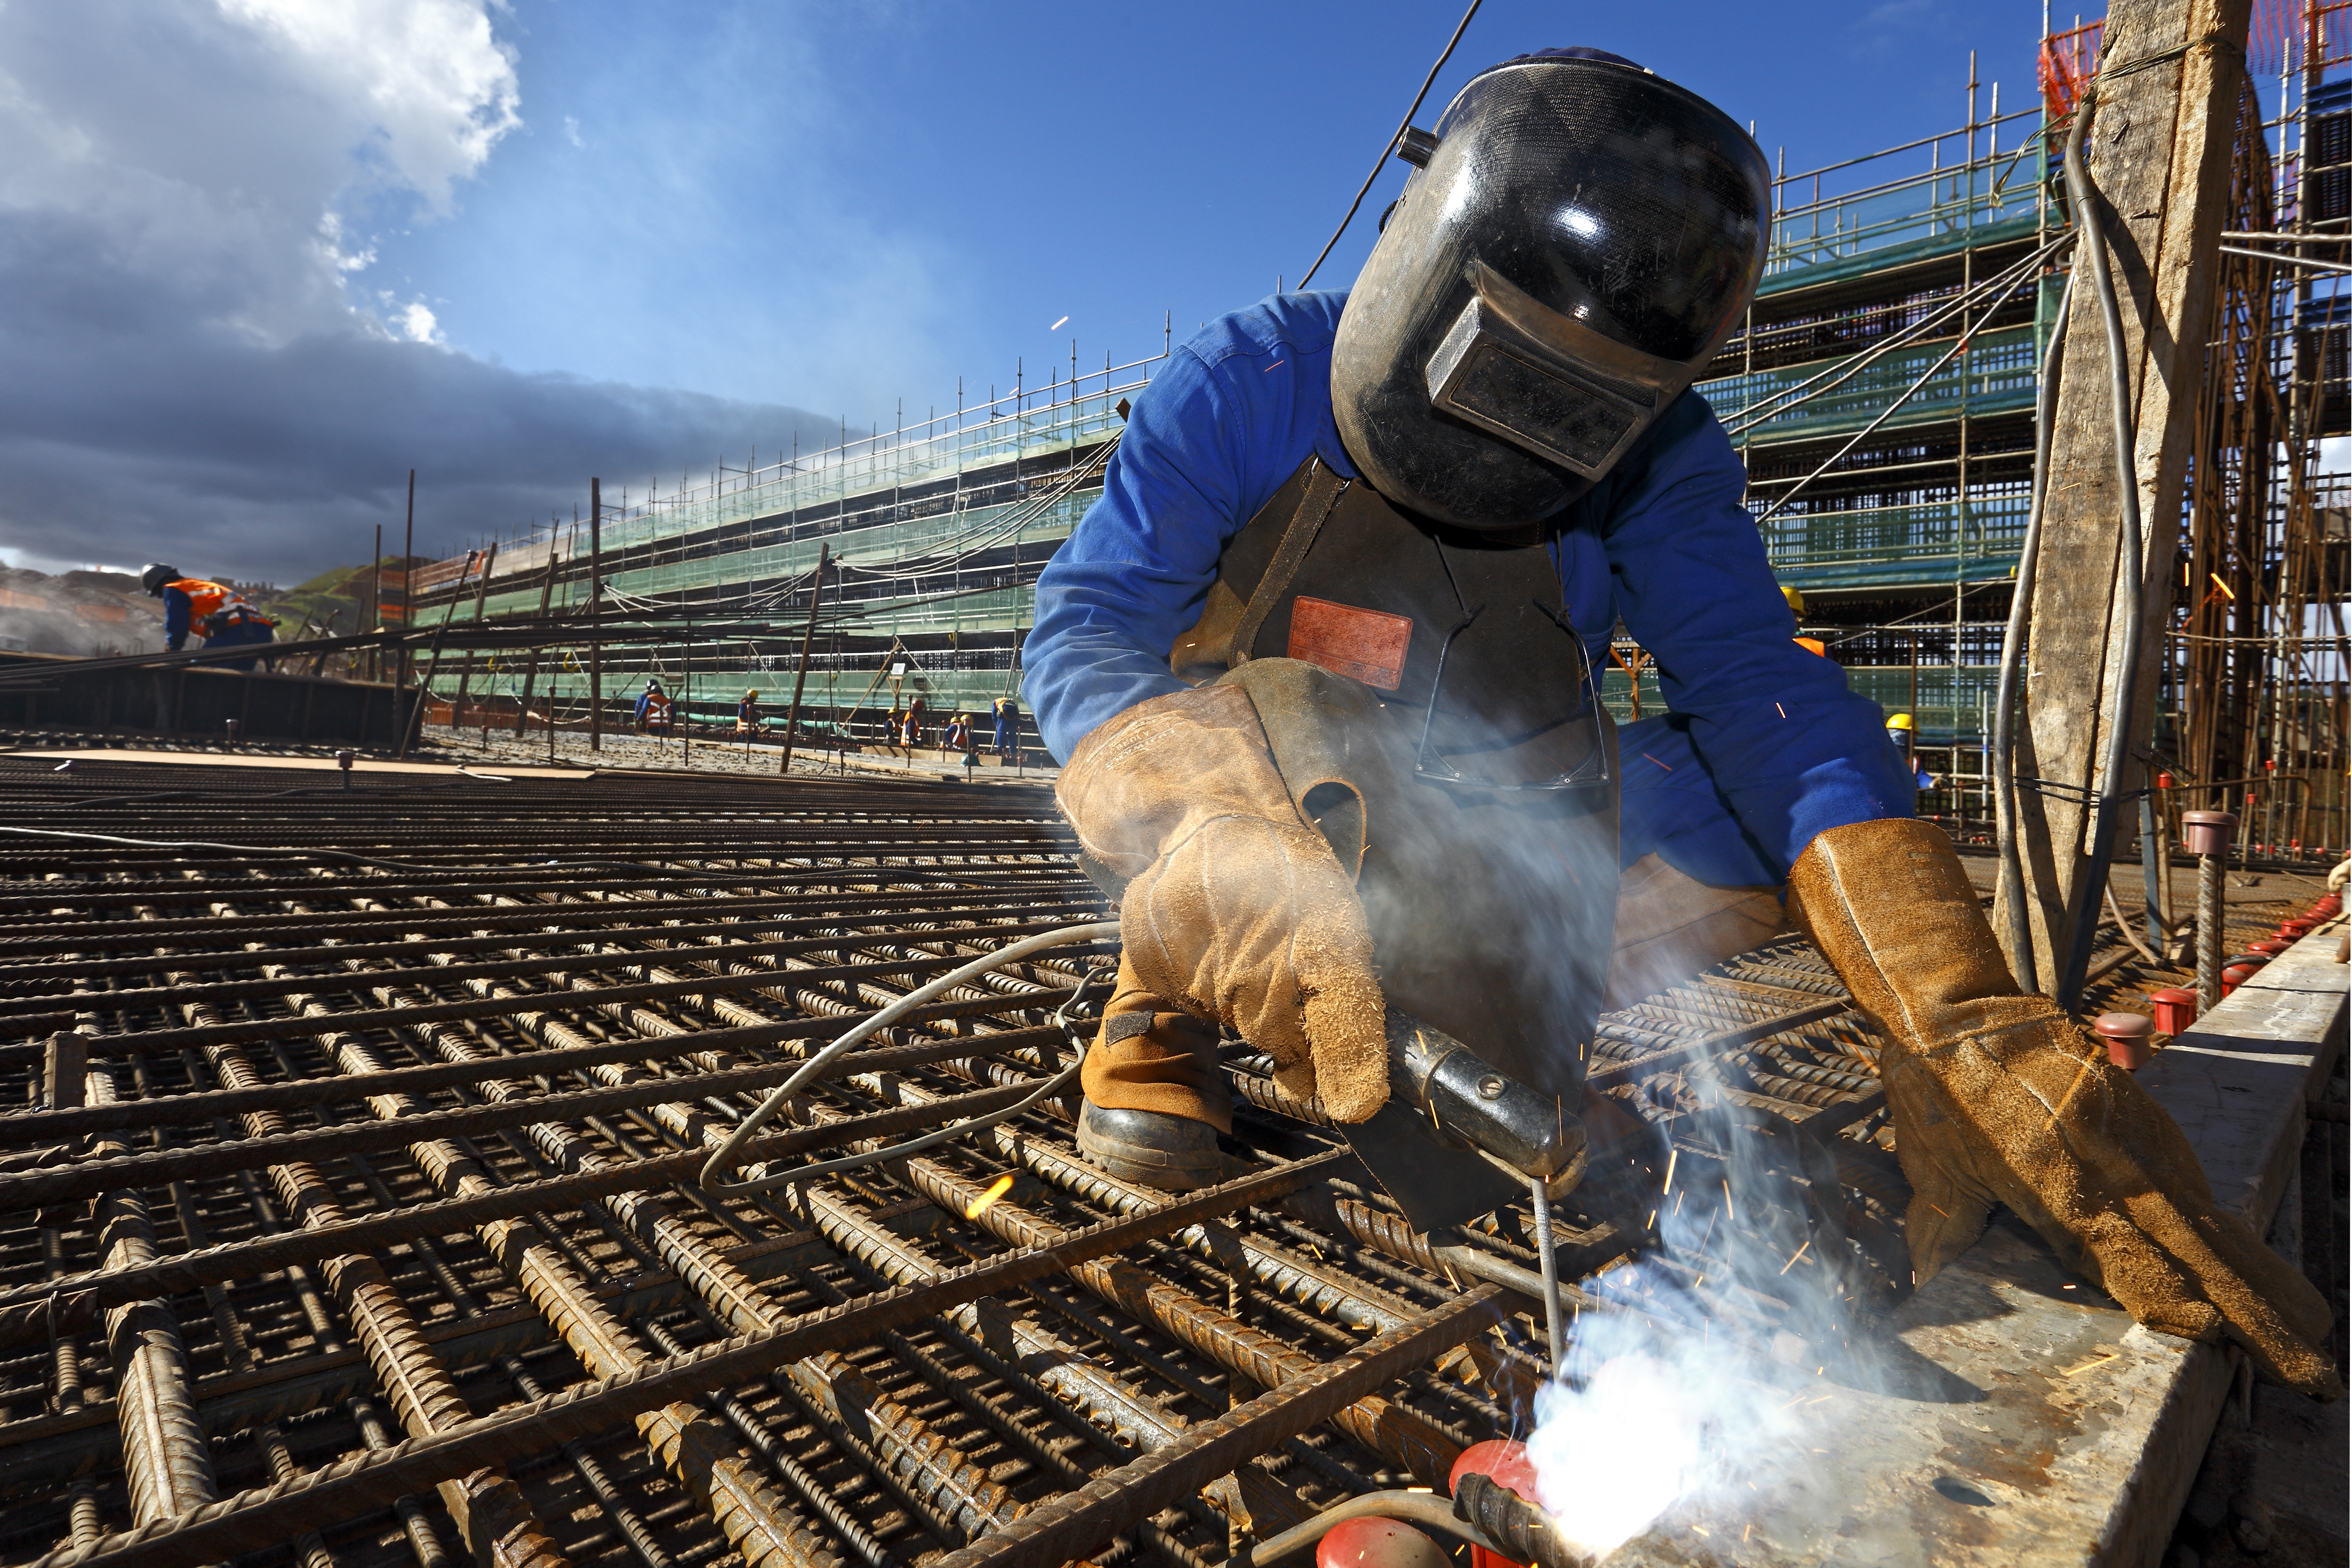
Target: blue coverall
1763, 746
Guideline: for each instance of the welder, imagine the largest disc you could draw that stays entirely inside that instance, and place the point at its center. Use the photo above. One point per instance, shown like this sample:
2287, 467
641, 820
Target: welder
212, 611
1320, 664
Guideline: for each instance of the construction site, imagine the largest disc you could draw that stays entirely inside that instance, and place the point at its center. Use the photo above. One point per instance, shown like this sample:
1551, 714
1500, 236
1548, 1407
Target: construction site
452, 1117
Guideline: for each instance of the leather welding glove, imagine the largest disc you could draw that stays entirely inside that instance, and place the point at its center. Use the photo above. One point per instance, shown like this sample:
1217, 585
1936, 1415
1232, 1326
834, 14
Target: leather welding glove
1232, 905
1999, 1097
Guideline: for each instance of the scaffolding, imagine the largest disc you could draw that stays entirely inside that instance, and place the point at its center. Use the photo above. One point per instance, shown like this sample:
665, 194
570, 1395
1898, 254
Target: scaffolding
1881, 393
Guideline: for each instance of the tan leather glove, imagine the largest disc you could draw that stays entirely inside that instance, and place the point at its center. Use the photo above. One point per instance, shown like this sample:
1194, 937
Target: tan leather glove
1234, 907
1998, 1097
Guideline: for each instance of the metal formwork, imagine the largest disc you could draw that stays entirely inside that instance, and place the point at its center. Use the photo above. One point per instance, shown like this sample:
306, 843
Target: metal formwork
349, 1215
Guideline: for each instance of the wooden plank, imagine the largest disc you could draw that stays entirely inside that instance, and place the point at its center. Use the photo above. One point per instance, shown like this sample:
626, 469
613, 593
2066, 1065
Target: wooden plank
2025, 1418
2160, 153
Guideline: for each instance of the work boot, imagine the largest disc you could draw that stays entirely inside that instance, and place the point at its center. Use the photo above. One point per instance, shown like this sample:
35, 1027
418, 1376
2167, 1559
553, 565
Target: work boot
1999, 1097
1149, 1148
1156, 1096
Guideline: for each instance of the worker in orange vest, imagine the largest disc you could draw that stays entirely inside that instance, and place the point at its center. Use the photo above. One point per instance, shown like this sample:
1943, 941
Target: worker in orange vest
214, 611
1797, 608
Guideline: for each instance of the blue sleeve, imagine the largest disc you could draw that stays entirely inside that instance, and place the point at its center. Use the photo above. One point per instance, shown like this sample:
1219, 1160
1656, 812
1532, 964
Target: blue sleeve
175, 617
1792, 751
1136, 570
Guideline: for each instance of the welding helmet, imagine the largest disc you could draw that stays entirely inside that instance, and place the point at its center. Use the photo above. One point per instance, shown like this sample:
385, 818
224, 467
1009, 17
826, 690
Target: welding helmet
156, 578
1579, 238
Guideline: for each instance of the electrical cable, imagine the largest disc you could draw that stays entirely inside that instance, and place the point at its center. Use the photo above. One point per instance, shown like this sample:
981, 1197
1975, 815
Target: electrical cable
2012, 871
1381, 162
1424, 1508
723, 1161
2084, 916
1755, 412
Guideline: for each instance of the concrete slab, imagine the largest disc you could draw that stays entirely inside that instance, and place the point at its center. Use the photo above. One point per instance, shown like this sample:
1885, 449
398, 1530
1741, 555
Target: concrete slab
2038, 1424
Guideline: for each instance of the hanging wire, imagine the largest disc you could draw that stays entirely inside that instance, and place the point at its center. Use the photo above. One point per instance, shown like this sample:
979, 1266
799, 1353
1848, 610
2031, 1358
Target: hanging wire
1403, 125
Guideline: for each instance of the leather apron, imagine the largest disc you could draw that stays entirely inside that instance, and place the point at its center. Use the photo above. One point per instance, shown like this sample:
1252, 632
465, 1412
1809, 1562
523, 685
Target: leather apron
1490, 892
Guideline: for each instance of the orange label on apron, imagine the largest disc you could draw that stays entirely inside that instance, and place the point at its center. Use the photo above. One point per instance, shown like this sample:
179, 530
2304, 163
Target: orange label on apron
1362, 645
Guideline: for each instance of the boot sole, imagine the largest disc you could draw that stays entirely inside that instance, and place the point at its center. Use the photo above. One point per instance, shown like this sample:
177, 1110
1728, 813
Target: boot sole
1150, 1167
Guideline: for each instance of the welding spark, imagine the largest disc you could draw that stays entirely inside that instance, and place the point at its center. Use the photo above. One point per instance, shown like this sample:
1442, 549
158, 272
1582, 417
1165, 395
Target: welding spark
1727, 1201
1672, 1155
987, 1200
2223, 586
1792, 1261
1057, 326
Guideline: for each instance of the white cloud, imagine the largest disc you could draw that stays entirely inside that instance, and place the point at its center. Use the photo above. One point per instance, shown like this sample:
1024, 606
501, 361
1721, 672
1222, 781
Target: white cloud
417, 325
572, 132
435, 91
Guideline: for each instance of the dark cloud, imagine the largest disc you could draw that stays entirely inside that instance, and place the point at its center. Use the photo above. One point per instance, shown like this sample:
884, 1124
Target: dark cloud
199, 368
134, 424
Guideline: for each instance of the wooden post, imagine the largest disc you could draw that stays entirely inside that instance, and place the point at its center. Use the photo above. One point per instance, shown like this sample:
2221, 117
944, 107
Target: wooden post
375, 607
408, 599
595, 604
2159, 151
408, 731
808, 638
531, 677
481, 599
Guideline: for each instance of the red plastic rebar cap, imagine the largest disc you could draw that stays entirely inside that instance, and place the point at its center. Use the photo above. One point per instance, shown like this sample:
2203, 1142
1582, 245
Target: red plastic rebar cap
1498, 1459
1377, 1542
2126, 1034
2175, 1009
2270, 946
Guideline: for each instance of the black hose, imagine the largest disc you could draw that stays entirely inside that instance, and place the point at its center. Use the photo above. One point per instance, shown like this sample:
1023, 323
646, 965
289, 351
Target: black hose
2012, 652
2084, 915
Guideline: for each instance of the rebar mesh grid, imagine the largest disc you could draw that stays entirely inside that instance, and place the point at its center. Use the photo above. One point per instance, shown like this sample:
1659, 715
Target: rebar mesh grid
365, 1123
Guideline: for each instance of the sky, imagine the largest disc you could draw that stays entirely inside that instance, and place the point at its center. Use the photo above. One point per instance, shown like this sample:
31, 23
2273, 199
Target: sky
260, 258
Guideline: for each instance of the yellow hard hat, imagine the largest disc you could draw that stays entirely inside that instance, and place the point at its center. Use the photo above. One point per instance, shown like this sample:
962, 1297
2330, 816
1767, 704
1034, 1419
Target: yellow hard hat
1796, 600
1900, 721
752, 695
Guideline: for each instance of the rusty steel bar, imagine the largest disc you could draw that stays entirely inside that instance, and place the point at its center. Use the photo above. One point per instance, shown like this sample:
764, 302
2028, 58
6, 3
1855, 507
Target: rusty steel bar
76, 1301
320, 1498
164, 1447
1076, 1523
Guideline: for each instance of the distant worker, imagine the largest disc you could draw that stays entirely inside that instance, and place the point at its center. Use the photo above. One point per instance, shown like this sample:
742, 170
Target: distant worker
1899, 731
957, 735
1797, 608
654, 710
747, 714
214, 611
910, 724
1008, 727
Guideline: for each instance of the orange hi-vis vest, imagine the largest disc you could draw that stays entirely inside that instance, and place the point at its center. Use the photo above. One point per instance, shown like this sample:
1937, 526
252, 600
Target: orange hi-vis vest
204, 596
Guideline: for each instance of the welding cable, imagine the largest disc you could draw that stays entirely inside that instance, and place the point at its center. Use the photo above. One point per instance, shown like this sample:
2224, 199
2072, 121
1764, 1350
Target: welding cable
1381, 162
2084, 916
723, 1161
1424, 1508
2011, 870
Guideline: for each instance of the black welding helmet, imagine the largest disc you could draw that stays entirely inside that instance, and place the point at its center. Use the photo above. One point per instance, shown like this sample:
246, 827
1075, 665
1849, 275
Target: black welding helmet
157, 576
1579, 239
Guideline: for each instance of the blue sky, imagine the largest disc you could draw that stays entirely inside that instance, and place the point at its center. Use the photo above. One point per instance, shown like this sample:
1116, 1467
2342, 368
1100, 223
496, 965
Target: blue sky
834, 206
259, 257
